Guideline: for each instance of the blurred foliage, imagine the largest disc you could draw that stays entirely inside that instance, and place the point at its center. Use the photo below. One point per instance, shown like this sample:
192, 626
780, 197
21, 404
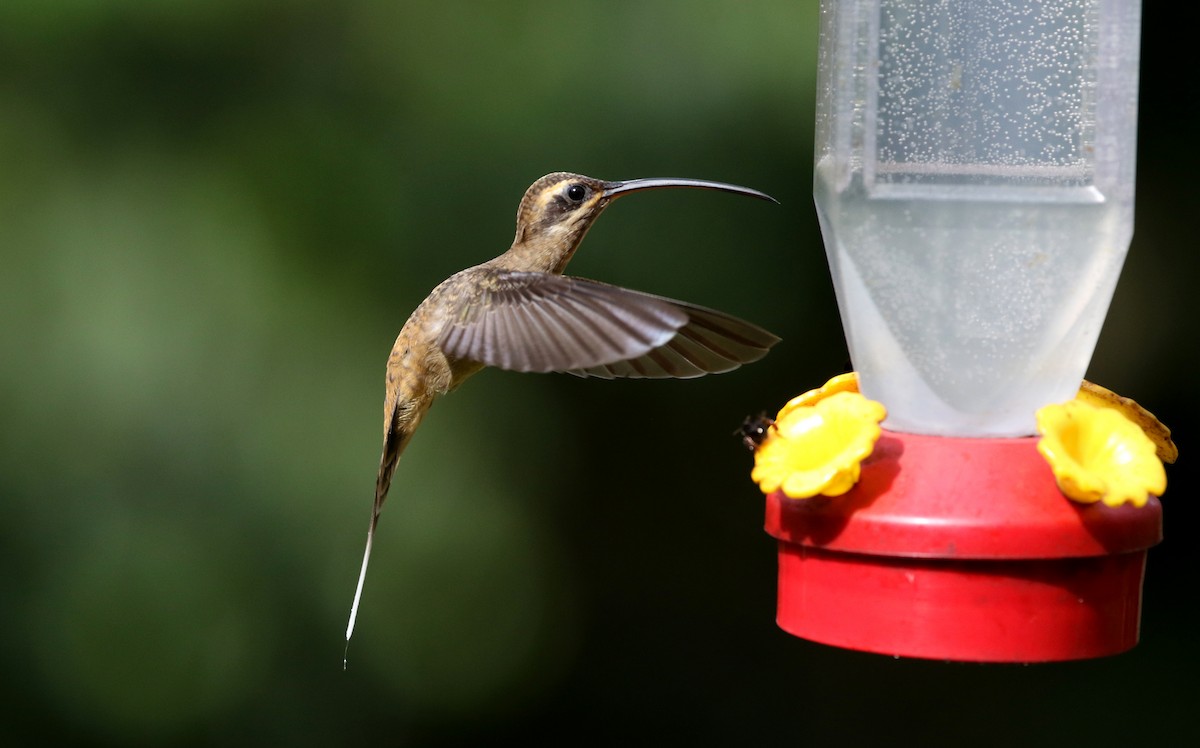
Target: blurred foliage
215, 216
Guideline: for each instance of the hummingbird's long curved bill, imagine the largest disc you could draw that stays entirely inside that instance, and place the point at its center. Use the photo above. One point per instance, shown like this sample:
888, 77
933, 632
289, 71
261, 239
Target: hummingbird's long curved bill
616, 189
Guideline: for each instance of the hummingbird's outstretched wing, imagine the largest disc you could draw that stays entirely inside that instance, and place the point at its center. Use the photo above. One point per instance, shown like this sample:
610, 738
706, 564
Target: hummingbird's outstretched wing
543, 322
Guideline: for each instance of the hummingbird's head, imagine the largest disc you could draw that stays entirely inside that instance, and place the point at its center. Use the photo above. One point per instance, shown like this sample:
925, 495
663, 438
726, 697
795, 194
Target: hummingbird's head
559, 208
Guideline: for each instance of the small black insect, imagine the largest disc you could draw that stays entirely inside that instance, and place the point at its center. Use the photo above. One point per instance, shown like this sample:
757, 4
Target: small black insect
754, 430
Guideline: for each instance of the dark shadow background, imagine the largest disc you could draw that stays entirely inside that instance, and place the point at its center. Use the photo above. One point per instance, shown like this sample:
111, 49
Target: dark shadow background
214, 217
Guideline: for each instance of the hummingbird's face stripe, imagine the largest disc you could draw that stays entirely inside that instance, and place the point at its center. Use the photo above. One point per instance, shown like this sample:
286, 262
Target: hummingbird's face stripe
569, 196
566, 206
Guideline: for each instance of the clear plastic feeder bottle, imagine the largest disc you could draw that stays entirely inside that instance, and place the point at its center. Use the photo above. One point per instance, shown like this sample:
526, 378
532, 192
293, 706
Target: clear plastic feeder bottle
974, 182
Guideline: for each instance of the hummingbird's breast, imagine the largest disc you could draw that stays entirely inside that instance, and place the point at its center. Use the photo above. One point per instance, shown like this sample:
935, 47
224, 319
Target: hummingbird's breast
418, 362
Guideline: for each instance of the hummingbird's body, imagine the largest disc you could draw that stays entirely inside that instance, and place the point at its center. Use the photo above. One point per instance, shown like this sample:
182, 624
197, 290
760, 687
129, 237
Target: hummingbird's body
518, 312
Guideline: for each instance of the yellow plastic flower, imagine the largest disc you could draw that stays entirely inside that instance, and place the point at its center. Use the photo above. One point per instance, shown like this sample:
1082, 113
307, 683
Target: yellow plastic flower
1094, 394
1097, 454
847, 382
818, 449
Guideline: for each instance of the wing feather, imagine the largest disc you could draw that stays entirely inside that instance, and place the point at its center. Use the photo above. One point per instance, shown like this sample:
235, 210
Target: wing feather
542, 322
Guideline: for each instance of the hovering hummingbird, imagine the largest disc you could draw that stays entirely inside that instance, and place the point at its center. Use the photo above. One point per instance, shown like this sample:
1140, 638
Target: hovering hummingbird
518, 312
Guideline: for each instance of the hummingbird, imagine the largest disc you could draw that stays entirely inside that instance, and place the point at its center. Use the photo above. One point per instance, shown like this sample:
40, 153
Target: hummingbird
519, 312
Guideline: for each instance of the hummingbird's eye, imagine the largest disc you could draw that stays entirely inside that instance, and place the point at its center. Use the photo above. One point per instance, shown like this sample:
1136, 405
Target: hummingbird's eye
576, 193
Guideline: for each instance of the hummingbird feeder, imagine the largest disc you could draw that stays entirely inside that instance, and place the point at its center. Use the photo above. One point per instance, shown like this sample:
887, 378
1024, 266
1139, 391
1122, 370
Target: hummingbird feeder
974, 181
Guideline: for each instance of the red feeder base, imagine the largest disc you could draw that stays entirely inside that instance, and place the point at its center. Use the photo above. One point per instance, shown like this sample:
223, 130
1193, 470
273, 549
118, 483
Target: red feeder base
961, 549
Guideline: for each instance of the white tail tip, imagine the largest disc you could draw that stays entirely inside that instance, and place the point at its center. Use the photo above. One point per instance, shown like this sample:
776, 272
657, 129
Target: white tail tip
362, 577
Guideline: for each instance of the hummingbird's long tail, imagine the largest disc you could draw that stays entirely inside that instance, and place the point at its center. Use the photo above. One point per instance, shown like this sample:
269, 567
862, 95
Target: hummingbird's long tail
362, 577
403, 417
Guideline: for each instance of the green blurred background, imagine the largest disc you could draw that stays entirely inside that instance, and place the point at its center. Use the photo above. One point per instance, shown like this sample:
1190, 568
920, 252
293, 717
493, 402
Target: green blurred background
214, 218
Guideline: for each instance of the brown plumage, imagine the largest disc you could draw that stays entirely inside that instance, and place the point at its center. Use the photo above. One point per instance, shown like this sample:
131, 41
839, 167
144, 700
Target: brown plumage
519, 312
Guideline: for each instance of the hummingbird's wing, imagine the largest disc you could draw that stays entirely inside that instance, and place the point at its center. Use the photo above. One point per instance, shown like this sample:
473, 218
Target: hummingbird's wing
710, 342
543, 322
